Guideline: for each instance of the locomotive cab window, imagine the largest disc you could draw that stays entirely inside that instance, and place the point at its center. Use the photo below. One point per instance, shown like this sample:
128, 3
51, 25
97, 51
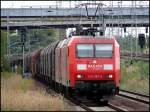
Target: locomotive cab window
85, 50
94, 50
103, 50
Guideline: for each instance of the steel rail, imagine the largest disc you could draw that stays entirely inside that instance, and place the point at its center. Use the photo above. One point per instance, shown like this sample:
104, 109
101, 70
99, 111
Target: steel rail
135, 93
134, 98
136, 58
79, 104
87, 108
116, 107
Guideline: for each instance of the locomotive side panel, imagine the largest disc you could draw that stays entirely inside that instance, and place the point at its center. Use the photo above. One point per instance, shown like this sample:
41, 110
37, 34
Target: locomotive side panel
117, 64
71, 53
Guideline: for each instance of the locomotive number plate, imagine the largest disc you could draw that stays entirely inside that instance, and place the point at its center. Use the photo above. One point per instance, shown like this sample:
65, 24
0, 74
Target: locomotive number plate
95, 76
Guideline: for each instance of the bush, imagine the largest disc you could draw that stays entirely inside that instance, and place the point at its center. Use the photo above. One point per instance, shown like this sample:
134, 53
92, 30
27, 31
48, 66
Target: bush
5, 66
135, 77
19, 70
7, 74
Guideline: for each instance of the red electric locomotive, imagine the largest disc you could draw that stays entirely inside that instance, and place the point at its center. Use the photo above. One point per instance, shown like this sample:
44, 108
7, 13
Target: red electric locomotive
94, 65
86, 64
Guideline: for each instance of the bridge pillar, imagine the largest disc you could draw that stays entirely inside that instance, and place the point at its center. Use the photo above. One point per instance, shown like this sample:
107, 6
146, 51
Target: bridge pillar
61, 33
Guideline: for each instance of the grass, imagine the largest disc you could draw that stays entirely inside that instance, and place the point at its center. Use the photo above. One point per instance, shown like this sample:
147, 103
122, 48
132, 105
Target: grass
6, 74
135, 77
19, 94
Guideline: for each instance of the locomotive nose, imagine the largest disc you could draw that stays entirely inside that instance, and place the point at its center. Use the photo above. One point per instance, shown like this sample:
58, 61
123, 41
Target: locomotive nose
94, 69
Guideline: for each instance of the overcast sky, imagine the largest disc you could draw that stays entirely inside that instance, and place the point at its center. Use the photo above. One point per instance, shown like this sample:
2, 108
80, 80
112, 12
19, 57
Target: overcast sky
20, 4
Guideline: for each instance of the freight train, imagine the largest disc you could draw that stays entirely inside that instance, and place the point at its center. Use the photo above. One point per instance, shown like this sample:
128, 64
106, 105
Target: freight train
86, 64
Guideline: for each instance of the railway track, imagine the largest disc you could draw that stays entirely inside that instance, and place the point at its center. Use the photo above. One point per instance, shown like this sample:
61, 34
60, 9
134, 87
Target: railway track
136, 58
89, 105
143, 57
134, 96
142, 101
136, 55
121, 102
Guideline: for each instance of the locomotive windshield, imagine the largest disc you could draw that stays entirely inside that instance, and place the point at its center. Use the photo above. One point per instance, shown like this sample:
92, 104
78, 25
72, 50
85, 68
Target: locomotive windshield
94, 50
85, 50
103, 50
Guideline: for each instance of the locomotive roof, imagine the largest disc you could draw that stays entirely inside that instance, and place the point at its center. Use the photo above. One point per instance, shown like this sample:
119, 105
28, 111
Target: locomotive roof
94, 37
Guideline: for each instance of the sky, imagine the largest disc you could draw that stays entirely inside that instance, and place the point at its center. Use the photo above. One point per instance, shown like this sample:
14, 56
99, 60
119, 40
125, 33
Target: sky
44, 4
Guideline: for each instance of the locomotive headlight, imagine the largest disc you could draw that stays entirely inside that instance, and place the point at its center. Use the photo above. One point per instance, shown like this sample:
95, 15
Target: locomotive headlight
80, 76
110, 76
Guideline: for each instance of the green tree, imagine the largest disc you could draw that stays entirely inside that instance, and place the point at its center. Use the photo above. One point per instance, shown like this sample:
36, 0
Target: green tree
36, 38
4, 59
125, 44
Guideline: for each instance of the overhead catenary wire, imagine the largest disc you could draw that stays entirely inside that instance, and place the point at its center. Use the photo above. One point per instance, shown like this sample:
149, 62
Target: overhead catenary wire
136, 43
132, 29
120, 35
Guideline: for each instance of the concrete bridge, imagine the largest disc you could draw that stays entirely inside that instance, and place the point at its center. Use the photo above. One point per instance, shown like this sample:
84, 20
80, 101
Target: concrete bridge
66, 18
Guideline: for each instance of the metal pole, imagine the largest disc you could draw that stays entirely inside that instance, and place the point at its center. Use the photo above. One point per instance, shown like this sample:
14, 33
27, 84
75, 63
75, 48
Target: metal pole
23, 60
111, 17
103, 23
29, 44
136, 32
109, 24
99, 8
121, 21
132, 17
23, 36
8, 38
91, 23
